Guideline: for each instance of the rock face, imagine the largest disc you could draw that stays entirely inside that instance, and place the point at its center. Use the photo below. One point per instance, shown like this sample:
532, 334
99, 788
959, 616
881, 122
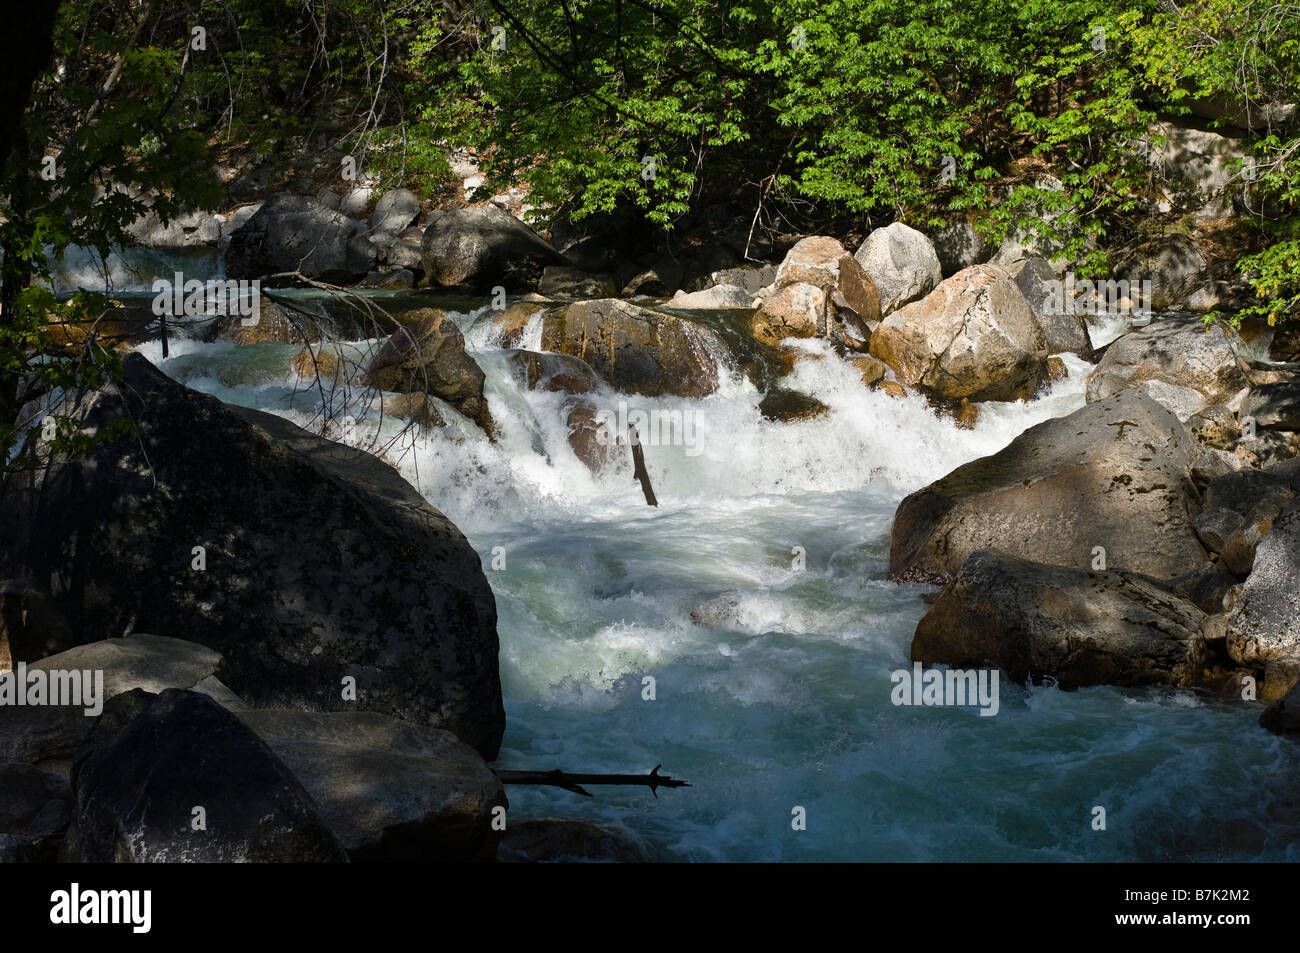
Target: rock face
429, 357
973, 337
390, 791
484, 247
152, 759
901, 263
637, 350
1114, 474
1080, 627
1264, 625
1062, 330
1174, 350
319, 561
294, 233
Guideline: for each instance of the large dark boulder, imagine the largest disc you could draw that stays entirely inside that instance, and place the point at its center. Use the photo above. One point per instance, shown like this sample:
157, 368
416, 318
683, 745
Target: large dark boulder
1079, 627
1115, 475
389, 790
151, 760
320, 562
484, 247
294, 233
637, 350
1179, 351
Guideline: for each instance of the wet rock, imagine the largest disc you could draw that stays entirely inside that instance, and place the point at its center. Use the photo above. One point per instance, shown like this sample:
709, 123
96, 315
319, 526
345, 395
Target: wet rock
872, 370
430, 357
549, 840
1079, 627
591, 435
637, 350
553, 372
782, 405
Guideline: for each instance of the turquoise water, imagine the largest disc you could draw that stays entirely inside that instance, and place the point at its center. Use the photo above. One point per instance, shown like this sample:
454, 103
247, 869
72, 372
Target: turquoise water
772, 682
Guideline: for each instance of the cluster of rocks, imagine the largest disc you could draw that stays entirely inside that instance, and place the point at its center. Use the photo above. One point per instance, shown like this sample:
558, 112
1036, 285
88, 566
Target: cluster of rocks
1148, 538
335, 695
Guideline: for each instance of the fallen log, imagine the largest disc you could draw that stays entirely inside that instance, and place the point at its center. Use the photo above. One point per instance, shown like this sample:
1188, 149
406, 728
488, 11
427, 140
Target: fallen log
574, 782
639, 471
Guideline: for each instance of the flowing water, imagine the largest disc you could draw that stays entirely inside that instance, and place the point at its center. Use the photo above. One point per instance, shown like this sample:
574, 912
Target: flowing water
755, 598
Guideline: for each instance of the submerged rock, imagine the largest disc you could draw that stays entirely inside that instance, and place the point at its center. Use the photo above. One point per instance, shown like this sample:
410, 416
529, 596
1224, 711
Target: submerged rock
783, 405
547, 840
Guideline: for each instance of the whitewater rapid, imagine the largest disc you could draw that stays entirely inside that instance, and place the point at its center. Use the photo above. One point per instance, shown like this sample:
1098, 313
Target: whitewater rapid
755, 597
